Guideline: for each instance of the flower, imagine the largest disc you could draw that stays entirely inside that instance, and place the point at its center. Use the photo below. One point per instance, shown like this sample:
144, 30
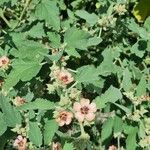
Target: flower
64, 117
20, 143
65, 77
19, 101
56, 146
112, 147
120, 9
4, 62
84, 110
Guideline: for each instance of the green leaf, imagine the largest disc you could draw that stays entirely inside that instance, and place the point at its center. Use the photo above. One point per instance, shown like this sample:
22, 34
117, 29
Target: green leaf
11, 116
107, 67
72, 52
118, 123
68, 146
4, 1
39, 103
22, 70
50, 128
141, 87
36, 31
139, 48
125, 109
111, 95
131, 143
35, 134
3, 125
126, 82
91, 19
55, 39
134, 27
87, 74
26, 48
94, 41
147, 24
48, 11
12, 80
76, 38
107, 129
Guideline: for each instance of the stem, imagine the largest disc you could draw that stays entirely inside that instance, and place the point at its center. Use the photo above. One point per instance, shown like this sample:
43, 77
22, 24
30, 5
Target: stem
23, 12
82, 128
83, 135
73, 85
72, 70
5, 20
26, 5
118, 142
100, 31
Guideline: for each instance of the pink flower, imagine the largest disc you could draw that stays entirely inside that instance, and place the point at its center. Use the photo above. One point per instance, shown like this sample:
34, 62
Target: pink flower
84, 110
19, 101
65, 77
20, 143
56, 146
112, 147
64, 117
4, 62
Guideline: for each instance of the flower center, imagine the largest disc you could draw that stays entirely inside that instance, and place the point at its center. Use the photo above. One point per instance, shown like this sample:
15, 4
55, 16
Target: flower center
63, 116
64, 78
4, 62
21, 143
84, 110
22, 101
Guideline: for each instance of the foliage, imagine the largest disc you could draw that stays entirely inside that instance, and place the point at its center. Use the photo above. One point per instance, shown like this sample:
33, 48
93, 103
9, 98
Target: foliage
74, 75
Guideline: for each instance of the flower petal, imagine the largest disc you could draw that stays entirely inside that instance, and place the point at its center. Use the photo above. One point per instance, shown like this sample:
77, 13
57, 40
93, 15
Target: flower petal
68, 121
77, 106
61, 123
85, 102
20, 138
90, 116
92, 107
79, 116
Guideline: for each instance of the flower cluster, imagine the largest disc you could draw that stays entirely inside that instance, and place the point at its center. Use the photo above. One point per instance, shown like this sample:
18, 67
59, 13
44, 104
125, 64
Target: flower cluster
83, 111
18, 101
64, 117
4, 62
120, 9
20, 143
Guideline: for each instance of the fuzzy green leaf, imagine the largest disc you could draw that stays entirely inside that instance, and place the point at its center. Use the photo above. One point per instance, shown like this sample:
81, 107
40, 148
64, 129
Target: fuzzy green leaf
131, 143
36, 31
27, 49
141, 87
35, 134
111, 95
48, 11
55, 39
49, 130
107, 67
91, 19
3, 125
39, 103
76, 38
68, 146
87, 74
107, 129
11, 116
126, 82
22, 70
